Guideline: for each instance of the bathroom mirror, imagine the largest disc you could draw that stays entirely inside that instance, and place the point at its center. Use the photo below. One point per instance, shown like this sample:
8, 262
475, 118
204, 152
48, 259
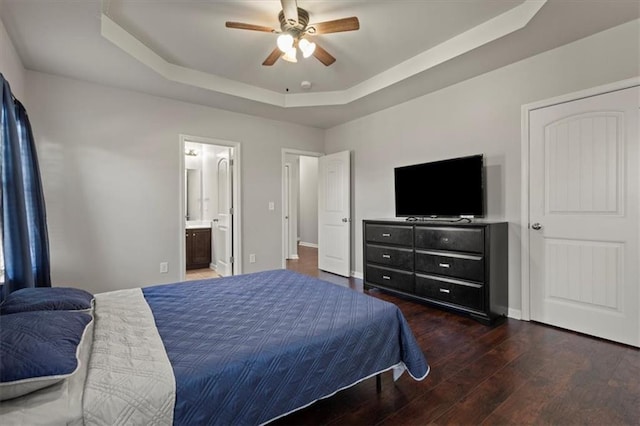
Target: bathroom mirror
193, 197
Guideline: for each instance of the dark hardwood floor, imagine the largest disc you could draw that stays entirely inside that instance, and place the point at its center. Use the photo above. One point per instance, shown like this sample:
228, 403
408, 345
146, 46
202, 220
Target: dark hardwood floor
515, 373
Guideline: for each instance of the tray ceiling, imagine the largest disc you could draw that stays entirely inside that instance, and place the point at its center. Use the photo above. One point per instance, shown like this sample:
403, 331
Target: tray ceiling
181, 48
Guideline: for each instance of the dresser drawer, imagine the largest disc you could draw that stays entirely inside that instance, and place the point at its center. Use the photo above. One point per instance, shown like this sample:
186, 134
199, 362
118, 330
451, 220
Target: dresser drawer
456, 292
455, 239
391, 256
390, 234
468, 267
391, 278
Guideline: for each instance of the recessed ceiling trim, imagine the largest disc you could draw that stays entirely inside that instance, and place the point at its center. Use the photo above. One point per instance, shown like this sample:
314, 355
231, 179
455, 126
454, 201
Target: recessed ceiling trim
134, 47
491, 30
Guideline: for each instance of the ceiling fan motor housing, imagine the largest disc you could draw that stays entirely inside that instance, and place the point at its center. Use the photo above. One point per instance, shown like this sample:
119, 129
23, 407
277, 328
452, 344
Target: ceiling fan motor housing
296, 29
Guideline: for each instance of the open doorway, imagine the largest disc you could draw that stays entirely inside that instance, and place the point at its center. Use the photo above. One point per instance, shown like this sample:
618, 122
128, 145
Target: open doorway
300, 208
209, 208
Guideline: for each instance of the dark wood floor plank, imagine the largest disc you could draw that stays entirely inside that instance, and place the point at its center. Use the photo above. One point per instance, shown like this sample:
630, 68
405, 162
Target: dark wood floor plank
514, 373
484, 399
461, 384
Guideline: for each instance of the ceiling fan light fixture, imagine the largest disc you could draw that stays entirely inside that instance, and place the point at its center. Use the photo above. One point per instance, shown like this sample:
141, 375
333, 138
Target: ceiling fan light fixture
285, 42
290, 55
294, 26
306, 47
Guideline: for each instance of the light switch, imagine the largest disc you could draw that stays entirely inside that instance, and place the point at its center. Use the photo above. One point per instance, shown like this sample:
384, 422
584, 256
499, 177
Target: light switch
272, 205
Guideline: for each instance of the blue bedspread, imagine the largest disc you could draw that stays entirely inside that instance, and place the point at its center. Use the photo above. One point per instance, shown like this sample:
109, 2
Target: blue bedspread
250, 348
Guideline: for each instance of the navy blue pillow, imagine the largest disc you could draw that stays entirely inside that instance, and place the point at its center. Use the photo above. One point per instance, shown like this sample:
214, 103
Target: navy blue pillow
47, 299
38, 349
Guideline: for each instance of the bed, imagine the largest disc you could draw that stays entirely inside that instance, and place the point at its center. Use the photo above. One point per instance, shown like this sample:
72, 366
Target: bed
239, 350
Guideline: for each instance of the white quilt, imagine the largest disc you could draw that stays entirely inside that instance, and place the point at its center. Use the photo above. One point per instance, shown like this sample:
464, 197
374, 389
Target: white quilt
130, 380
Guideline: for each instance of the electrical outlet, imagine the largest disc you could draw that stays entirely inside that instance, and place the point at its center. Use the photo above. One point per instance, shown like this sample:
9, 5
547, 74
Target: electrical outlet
164, 267
252, 258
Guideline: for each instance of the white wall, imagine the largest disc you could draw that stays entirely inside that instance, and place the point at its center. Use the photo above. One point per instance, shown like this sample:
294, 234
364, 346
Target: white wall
308, 218
480, 115
11, 65
110, 162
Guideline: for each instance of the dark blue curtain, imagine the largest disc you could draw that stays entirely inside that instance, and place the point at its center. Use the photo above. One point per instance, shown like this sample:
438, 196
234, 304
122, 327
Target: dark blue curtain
25, 240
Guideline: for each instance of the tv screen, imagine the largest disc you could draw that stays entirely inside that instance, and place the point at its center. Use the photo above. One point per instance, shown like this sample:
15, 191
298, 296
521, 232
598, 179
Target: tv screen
453, 187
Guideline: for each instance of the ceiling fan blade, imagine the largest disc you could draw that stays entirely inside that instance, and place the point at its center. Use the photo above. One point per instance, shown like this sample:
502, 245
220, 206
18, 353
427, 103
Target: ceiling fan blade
243, 26
290, 9
323, 56
273, 57
336, 26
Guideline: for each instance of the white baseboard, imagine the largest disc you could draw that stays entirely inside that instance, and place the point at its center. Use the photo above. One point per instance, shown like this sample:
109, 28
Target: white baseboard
356, 274
514, 313
212, 266
302, 243
294, 257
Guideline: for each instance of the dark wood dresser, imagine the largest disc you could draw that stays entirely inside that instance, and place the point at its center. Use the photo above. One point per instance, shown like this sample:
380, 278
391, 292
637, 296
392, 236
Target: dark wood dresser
453, 265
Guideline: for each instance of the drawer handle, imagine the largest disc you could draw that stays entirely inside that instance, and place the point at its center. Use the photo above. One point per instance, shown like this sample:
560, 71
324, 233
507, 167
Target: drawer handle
386, 256
386, 235
445, 240
444, 265
444, 290
386, 277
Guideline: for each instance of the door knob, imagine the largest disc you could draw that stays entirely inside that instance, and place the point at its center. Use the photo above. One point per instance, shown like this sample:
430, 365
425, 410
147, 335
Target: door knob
344, 219
536, 226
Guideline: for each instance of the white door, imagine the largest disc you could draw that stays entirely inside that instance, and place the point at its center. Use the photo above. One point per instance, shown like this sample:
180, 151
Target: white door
584, 191
334, 213
223, 235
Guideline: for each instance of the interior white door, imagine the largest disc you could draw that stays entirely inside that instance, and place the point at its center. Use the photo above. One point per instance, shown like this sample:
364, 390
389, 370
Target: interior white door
584, 221
334, 213
223, 235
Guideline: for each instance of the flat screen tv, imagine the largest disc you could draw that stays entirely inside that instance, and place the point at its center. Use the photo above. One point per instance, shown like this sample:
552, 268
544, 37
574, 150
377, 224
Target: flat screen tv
446, 188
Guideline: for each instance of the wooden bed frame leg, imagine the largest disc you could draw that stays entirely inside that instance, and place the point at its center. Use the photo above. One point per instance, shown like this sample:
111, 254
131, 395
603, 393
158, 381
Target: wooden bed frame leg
378, 383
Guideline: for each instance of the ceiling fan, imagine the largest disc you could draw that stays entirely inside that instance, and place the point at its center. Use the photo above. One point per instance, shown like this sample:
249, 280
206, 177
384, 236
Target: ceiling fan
294, 30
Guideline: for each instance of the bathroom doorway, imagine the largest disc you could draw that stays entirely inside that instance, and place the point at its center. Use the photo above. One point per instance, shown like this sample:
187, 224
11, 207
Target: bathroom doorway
209, 208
